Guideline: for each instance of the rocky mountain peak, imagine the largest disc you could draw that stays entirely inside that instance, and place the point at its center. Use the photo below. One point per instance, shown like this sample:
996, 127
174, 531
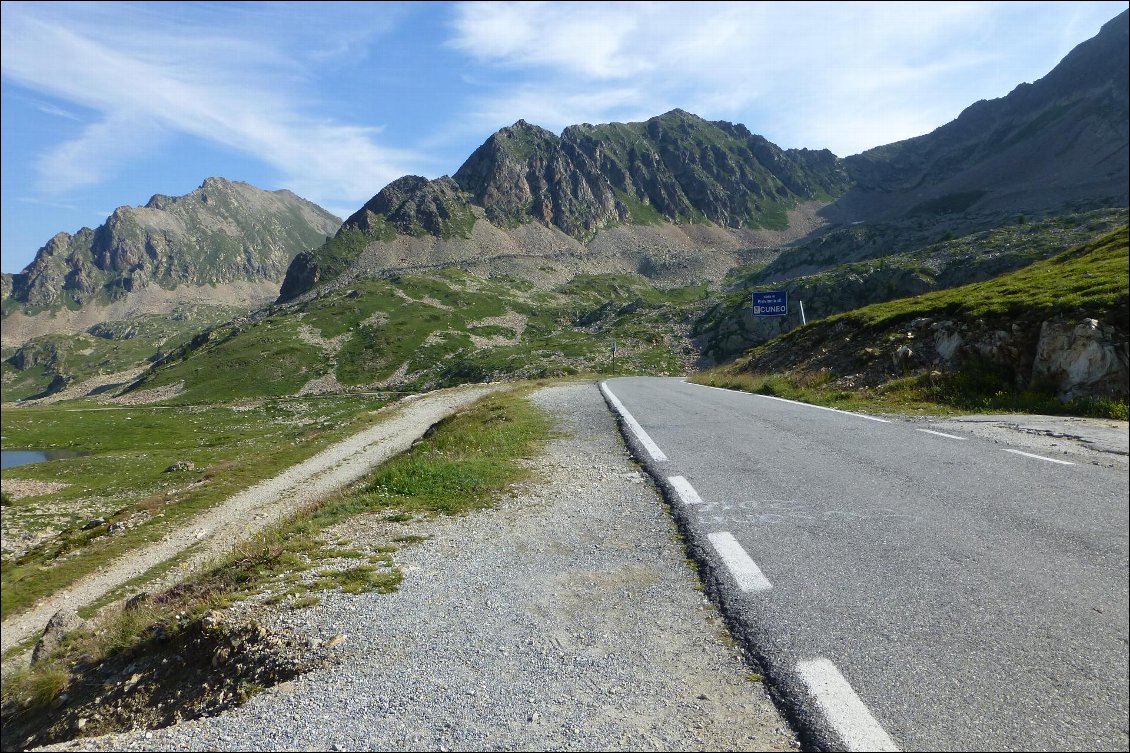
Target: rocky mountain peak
223, 231
414, 205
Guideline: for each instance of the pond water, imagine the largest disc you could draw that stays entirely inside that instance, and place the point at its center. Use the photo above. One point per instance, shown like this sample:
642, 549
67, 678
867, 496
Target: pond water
12, 458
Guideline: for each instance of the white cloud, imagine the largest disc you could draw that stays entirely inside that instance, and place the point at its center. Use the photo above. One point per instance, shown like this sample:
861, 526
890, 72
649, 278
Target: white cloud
585, 38
847, 76
149, 84
102, 147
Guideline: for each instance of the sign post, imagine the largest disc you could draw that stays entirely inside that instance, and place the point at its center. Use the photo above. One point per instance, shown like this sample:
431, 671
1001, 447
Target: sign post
771, 303
613, 358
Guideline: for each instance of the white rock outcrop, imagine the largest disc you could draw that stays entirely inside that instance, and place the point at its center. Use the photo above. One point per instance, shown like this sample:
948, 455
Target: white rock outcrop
1084, 359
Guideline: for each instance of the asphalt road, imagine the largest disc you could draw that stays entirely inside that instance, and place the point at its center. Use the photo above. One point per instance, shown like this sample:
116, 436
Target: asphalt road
903, 589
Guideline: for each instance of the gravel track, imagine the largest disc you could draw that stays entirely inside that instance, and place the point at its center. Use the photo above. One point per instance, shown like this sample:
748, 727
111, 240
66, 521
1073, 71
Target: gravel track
566, 618
239, 517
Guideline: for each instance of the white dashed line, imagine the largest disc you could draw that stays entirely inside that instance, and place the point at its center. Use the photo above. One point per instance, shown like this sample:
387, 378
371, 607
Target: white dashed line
745, 571
942, 434
685, 491
651, 447
794, 402
842, 708
1040, 457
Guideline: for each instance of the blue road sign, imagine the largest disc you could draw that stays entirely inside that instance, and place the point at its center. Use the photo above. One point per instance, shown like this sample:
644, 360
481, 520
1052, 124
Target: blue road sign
771, 303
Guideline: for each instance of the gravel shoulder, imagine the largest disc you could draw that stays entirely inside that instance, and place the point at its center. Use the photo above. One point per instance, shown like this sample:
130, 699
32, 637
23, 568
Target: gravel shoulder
1096, 441
566, 618
242, 515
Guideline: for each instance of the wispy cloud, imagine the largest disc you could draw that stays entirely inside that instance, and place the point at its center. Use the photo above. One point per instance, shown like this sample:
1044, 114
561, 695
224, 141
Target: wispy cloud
58, 112
150, 80
846, 76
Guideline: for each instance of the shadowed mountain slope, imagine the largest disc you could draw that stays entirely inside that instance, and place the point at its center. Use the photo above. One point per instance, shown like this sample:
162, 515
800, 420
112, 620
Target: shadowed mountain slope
1059, 141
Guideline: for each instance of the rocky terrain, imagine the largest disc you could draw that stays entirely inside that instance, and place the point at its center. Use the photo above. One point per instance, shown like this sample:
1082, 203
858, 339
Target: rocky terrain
226, 242
1059, 327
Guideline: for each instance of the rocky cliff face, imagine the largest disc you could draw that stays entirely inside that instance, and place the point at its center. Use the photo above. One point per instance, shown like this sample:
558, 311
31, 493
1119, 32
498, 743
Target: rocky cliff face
675, 167
415, 206
223, 232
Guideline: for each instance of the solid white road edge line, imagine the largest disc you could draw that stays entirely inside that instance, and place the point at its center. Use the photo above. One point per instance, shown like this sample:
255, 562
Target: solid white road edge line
795, 402
685, 491
745, 571
1041, 457
942, 434
651, 447
842, 708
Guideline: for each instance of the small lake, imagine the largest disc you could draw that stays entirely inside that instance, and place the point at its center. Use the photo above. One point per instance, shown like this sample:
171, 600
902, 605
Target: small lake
12, 458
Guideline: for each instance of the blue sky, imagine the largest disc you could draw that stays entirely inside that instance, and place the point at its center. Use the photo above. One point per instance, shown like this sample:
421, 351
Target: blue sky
105, 104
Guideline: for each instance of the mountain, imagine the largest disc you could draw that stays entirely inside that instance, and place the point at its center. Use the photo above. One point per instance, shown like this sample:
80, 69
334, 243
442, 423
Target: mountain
675, 167
226, 242
1060, 141
673, 186
543, 249
679, 199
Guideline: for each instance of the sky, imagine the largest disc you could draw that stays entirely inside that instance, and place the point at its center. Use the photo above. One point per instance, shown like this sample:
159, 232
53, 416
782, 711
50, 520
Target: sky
105, 104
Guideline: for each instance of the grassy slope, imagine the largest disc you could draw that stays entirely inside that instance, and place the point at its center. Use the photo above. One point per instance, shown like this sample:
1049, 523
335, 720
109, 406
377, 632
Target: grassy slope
905, 265
1092, 278
424, 324
123, 478
115, 347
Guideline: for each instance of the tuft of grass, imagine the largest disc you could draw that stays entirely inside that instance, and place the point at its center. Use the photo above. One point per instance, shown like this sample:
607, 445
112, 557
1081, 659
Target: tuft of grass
463, 464
35, 688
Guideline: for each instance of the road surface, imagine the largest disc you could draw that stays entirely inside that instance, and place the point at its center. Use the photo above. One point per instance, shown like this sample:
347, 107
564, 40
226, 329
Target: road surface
904, 587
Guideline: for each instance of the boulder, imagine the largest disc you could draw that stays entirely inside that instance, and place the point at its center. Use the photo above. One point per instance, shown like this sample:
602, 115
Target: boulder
63, 623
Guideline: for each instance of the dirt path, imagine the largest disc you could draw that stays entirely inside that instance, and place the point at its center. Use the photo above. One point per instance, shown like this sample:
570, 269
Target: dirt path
242, 515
